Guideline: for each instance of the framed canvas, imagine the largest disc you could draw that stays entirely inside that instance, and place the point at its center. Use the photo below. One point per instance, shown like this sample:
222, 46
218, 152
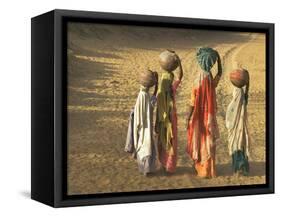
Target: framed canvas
133, 108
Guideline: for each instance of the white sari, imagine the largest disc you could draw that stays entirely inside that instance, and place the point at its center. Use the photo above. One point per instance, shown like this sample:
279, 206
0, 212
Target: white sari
237, 123
143, 132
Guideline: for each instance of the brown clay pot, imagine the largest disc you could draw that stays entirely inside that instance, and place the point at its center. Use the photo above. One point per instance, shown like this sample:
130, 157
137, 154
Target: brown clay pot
239, 77
147, 78
168, 60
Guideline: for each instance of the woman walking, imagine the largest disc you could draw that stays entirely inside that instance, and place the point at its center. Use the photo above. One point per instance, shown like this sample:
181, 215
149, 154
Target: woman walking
166, 114
202, 131
237, 126
140, 140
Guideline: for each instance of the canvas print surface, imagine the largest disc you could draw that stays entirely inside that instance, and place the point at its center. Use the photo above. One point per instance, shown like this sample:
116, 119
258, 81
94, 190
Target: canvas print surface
153, 108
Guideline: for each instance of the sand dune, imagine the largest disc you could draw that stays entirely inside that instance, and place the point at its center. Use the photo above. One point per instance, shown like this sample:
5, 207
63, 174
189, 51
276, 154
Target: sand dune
104, 63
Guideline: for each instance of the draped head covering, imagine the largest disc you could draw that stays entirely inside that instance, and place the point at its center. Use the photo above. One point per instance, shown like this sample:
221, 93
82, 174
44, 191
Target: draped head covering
203, 128
206, 58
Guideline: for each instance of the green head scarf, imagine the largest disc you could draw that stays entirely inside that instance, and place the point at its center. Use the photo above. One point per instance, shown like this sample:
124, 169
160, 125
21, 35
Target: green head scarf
206, 58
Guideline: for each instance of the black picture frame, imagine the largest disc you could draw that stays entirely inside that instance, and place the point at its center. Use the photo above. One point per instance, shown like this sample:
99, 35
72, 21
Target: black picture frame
49, 101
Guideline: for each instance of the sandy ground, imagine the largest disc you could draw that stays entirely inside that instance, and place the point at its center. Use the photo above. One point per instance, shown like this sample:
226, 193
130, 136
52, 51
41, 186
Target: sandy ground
103, 67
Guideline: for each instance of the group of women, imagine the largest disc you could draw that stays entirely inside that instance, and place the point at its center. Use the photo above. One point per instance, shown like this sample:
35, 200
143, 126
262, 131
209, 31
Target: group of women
202, 126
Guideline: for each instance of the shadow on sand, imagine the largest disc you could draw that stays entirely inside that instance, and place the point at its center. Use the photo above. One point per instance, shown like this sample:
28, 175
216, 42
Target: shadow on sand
256, 169
152, 38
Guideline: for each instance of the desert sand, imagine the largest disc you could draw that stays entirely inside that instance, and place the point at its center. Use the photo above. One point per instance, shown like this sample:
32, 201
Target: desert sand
103, 66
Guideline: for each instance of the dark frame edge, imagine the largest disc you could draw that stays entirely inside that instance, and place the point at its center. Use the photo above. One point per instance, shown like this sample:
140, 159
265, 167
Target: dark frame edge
270, 101
158, 18
162, 197
42, 127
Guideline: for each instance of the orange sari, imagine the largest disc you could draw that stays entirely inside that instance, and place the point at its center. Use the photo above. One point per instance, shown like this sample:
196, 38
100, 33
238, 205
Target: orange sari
203, 128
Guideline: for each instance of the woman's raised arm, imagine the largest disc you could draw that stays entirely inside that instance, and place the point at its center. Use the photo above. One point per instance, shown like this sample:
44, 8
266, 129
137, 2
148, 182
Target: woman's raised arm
218, 75
247, 92
180, 68
156, 83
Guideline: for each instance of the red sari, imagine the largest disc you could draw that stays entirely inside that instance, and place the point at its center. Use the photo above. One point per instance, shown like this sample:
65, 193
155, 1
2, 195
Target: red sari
203, 128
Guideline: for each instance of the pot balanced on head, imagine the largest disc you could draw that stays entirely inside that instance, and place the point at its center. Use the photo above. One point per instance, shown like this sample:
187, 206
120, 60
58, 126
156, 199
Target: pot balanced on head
147, 78
168, 60
239, 77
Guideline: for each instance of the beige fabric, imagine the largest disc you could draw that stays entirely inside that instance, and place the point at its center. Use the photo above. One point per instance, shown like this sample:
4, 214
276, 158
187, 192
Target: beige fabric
237, 123
143, 139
